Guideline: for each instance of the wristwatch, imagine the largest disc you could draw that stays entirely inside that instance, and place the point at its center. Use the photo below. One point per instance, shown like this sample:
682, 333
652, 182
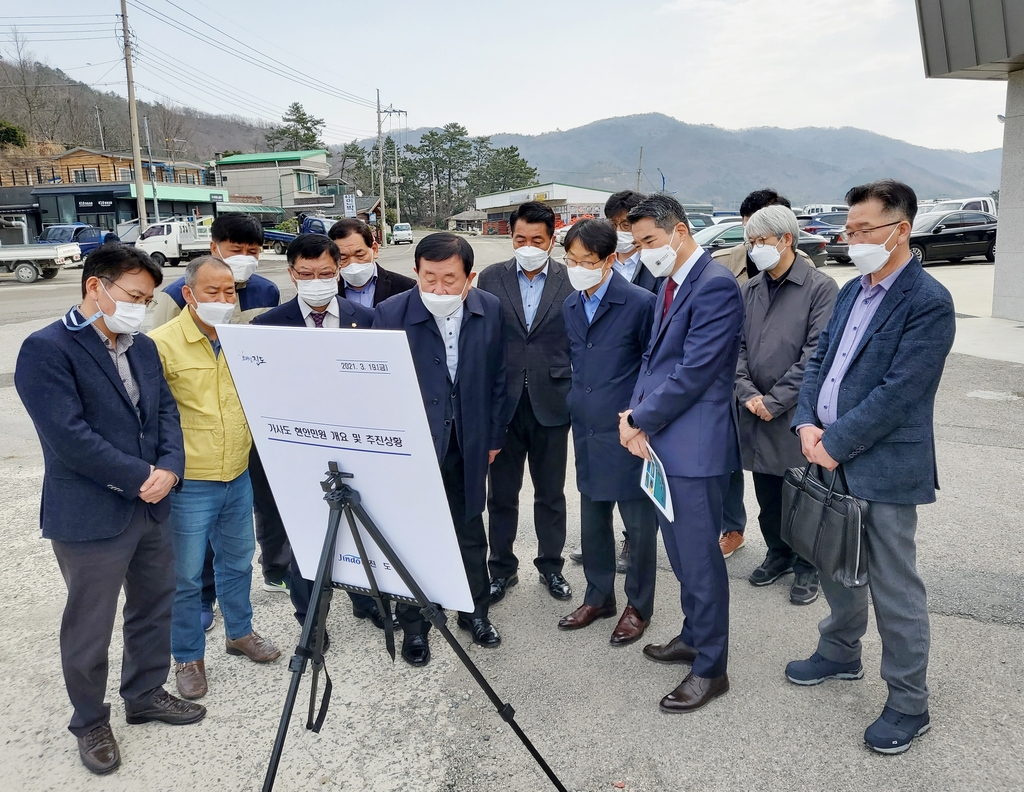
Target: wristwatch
631, 422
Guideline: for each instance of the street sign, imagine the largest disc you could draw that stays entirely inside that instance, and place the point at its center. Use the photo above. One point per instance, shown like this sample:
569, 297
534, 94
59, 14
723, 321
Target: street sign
373, 217
350, 205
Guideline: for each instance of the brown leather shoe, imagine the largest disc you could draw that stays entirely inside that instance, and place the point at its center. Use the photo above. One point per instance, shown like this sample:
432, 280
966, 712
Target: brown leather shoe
191, 679
694, 692
255, 647
629, 628
99, 751
585, 615
675, 651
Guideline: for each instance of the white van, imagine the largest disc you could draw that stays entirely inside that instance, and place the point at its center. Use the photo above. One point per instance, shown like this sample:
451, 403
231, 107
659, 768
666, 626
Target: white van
816, 209
962, 204
170, 242
402, 232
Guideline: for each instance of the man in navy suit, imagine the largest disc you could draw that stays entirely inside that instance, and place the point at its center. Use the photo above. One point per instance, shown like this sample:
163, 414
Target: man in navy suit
683, 406
112, 452
455, 336
609, 324
363, 280
867, 403
313, 266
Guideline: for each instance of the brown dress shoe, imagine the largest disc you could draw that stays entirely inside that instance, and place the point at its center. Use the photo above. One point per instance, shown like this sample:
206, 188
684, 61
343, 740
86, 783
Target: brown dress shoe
191, 679
694, 692
675, 651
98, 750
255, 647
584, 615
629, 628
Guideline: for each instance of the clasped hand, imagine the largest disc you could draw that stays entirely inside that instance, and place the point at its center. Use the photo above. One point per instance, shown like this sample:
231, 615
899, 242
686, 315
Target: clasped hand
756, 406
813, 449
635, 440
157, 486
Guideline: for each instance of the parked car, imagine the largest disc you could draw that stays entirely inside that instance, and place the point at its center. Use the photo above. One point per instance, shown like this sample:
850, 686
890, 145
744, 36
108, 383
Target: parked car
560, 234
986, 205
29, 263
401, 233
813, 209
953, 236
724, 235
727, 219
836, 246
699, 220
87, 237
823, 223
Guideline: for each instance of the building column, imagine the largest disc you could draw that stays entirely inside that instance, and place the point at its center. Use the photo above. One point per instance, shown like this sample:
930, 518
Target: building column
1008, 291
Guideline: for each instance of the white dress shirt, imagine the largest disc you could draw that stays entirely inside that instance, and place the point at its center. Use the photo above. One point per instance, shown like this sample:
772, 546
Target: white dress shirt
627, 268
683, 271
332, 319
450, 327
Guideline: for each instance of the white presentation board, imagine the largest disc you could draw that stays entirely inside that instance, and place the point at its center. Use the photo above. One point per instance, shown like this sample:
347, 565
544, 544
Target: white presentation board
314, 396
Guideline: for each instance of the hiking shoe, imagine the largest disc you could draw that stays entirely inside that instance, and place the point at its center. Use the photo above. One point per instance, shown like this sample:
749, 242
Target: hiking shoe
816, 669
771, 569
805, 588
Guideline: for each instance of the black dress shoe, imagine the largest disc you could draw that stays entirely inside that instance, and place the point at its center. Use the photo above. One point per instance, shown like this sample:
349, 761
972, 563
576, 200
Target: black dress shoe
694, 692
675, 651
484, 633
373, 614
558, 586
415, 650
99, 751
167, 709
501, 585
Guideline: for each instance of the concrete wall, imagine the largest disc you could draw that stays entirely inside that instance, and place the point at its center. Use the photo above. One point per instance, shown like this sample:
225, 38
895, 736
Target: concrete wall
1008, 290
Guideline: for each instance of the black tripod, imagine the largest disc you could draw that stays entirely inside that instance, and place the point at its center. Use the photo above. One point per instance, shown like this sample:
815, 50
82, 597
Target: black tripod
342, 498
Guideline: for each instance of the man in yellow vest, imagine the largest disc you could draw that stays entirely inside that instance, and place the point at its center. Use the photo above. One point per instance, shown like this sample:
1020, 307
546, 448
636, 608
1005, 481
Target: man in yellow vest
215, 501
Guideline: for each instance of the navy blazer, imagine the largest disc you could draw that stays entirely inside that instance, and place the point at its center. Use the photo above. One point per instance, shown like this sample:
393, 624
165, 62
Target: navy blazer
388, 285
97, 451
645, 279
606, 356
258, 292
884, 437
683, 398
480, 410
289, 314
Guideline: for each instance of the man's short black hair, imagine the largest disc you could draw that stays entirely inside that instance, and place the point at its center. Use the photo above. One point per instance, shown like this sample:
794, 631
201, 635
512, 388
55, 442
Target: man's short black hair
312, 247
443, 245
241, 229
596, 236
895, 197
533, 212
665, 210
110, 262
621, 202
759, 199
349, 226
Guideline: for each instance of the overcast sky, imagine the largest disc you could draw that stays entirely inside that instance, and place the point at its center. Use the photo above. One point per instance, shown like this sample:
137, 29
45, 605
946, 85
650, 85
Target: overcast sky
530, 66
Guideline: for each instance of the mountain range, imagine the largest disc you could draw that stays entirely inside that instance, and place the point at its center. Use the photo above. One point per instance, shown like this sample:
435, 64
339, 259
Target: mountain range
708, 164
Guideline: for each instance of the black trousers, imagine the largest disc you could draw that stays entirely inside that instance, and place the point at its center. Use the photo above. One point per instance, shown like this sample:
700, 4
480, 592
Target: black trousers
301, 591
546, 448
275, 552
768, 490
598, 540
734, 513
141, 559
472, 544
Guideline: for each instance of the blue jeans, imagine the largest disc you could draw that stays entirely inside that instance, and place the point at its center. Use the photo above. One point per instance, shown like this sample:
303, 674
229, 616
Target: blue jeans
218, 513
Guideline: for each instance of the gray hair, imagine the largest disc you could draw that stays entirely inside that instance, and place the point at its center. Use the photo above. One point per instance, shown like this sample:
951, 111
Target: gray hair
192, 270
776, 221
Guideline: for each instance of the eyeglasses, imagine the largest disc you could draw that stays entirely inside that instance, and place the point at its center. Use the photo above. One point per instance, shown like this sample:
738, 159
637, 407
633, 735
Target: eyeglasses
853, 236
304, 276
758, 243
585, 264
136, 299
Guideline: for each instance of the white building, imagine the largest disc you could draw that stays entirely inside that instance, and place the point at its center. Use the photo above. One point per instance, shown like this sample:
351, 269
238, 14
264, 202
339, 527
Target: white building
566, 200
287, 179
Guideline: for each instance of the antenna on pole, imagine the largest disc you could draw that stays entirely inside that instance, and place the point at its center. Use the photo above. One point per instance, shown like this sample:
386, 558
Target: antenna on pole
639, 168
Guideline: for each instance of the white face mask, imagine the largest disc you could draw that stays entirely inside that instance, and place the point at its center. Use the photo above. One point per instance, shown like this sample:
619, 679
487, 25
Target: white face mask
442, 305
871, 258
581, 278
358, 273
660, 261
531, 258
242, 267
625, 243
765, 257
214, 313
316, 293
127, 317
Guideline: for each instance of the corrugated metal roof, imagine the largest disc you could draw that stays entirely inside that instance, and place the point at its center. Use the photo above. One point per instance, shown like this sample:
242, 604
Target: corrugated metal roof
272, 156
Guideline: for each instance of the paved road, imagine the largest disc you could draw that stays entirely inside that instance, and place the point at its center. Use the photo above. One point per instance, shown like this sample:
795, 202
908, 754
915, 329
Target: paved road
590, 709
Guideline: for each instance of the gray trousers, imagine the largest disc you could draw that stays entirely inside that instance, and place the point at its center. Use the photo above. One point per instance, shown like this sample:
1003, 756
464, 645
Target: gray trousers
597, 536
901, 608
141, 559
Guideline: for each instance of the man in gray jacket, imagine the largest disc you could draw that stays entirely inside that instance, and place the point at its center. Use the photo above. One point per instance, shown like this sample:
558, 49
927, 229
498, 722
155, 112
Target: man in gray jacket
787, 304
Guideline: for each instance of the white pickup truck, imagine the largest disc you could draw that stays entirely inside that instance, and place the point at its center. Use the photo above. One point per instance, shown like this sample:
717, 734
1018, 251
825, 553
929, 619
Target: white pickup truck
31, 262
174, 241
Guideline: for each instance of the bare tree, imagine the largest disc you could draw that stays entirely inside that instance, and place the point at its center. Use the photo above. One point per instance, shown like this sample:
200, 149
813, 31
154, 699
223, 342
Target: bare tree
24, 79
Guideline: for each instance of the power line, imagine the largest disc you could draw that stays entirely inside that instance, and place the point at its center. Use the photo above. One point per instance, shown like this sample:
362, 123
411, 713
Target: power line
33, 40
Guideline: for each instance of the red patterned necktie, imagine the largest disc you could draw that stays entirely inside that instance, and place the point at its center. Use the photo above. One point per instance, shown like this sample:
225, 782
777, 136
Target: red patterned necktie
670, 293
318, 317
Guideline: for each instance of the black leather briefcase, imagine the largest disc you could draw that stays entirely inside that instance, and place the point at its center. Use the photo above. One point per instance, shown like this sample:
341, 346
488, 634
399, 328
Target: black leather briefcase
823, 526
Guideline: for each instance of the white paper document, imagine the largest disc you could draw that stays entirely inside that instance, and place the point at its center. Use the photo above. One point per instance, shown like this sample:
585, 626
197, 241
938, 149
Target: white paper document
654, 482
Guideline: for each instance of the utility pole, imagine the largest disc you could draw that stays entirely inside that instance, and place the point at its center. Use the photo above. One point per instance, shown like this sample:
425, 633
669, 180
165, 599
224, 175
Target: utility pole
396, 179
149, 154
99, 123
639, 168
433, 186
133, 119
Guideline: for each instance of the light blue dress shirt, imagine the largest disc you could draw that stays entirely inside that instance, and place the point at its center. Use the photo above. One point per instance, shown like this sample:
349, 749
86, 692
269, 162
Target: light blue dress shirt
363, 295
531, 291
591, 304
627, 268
